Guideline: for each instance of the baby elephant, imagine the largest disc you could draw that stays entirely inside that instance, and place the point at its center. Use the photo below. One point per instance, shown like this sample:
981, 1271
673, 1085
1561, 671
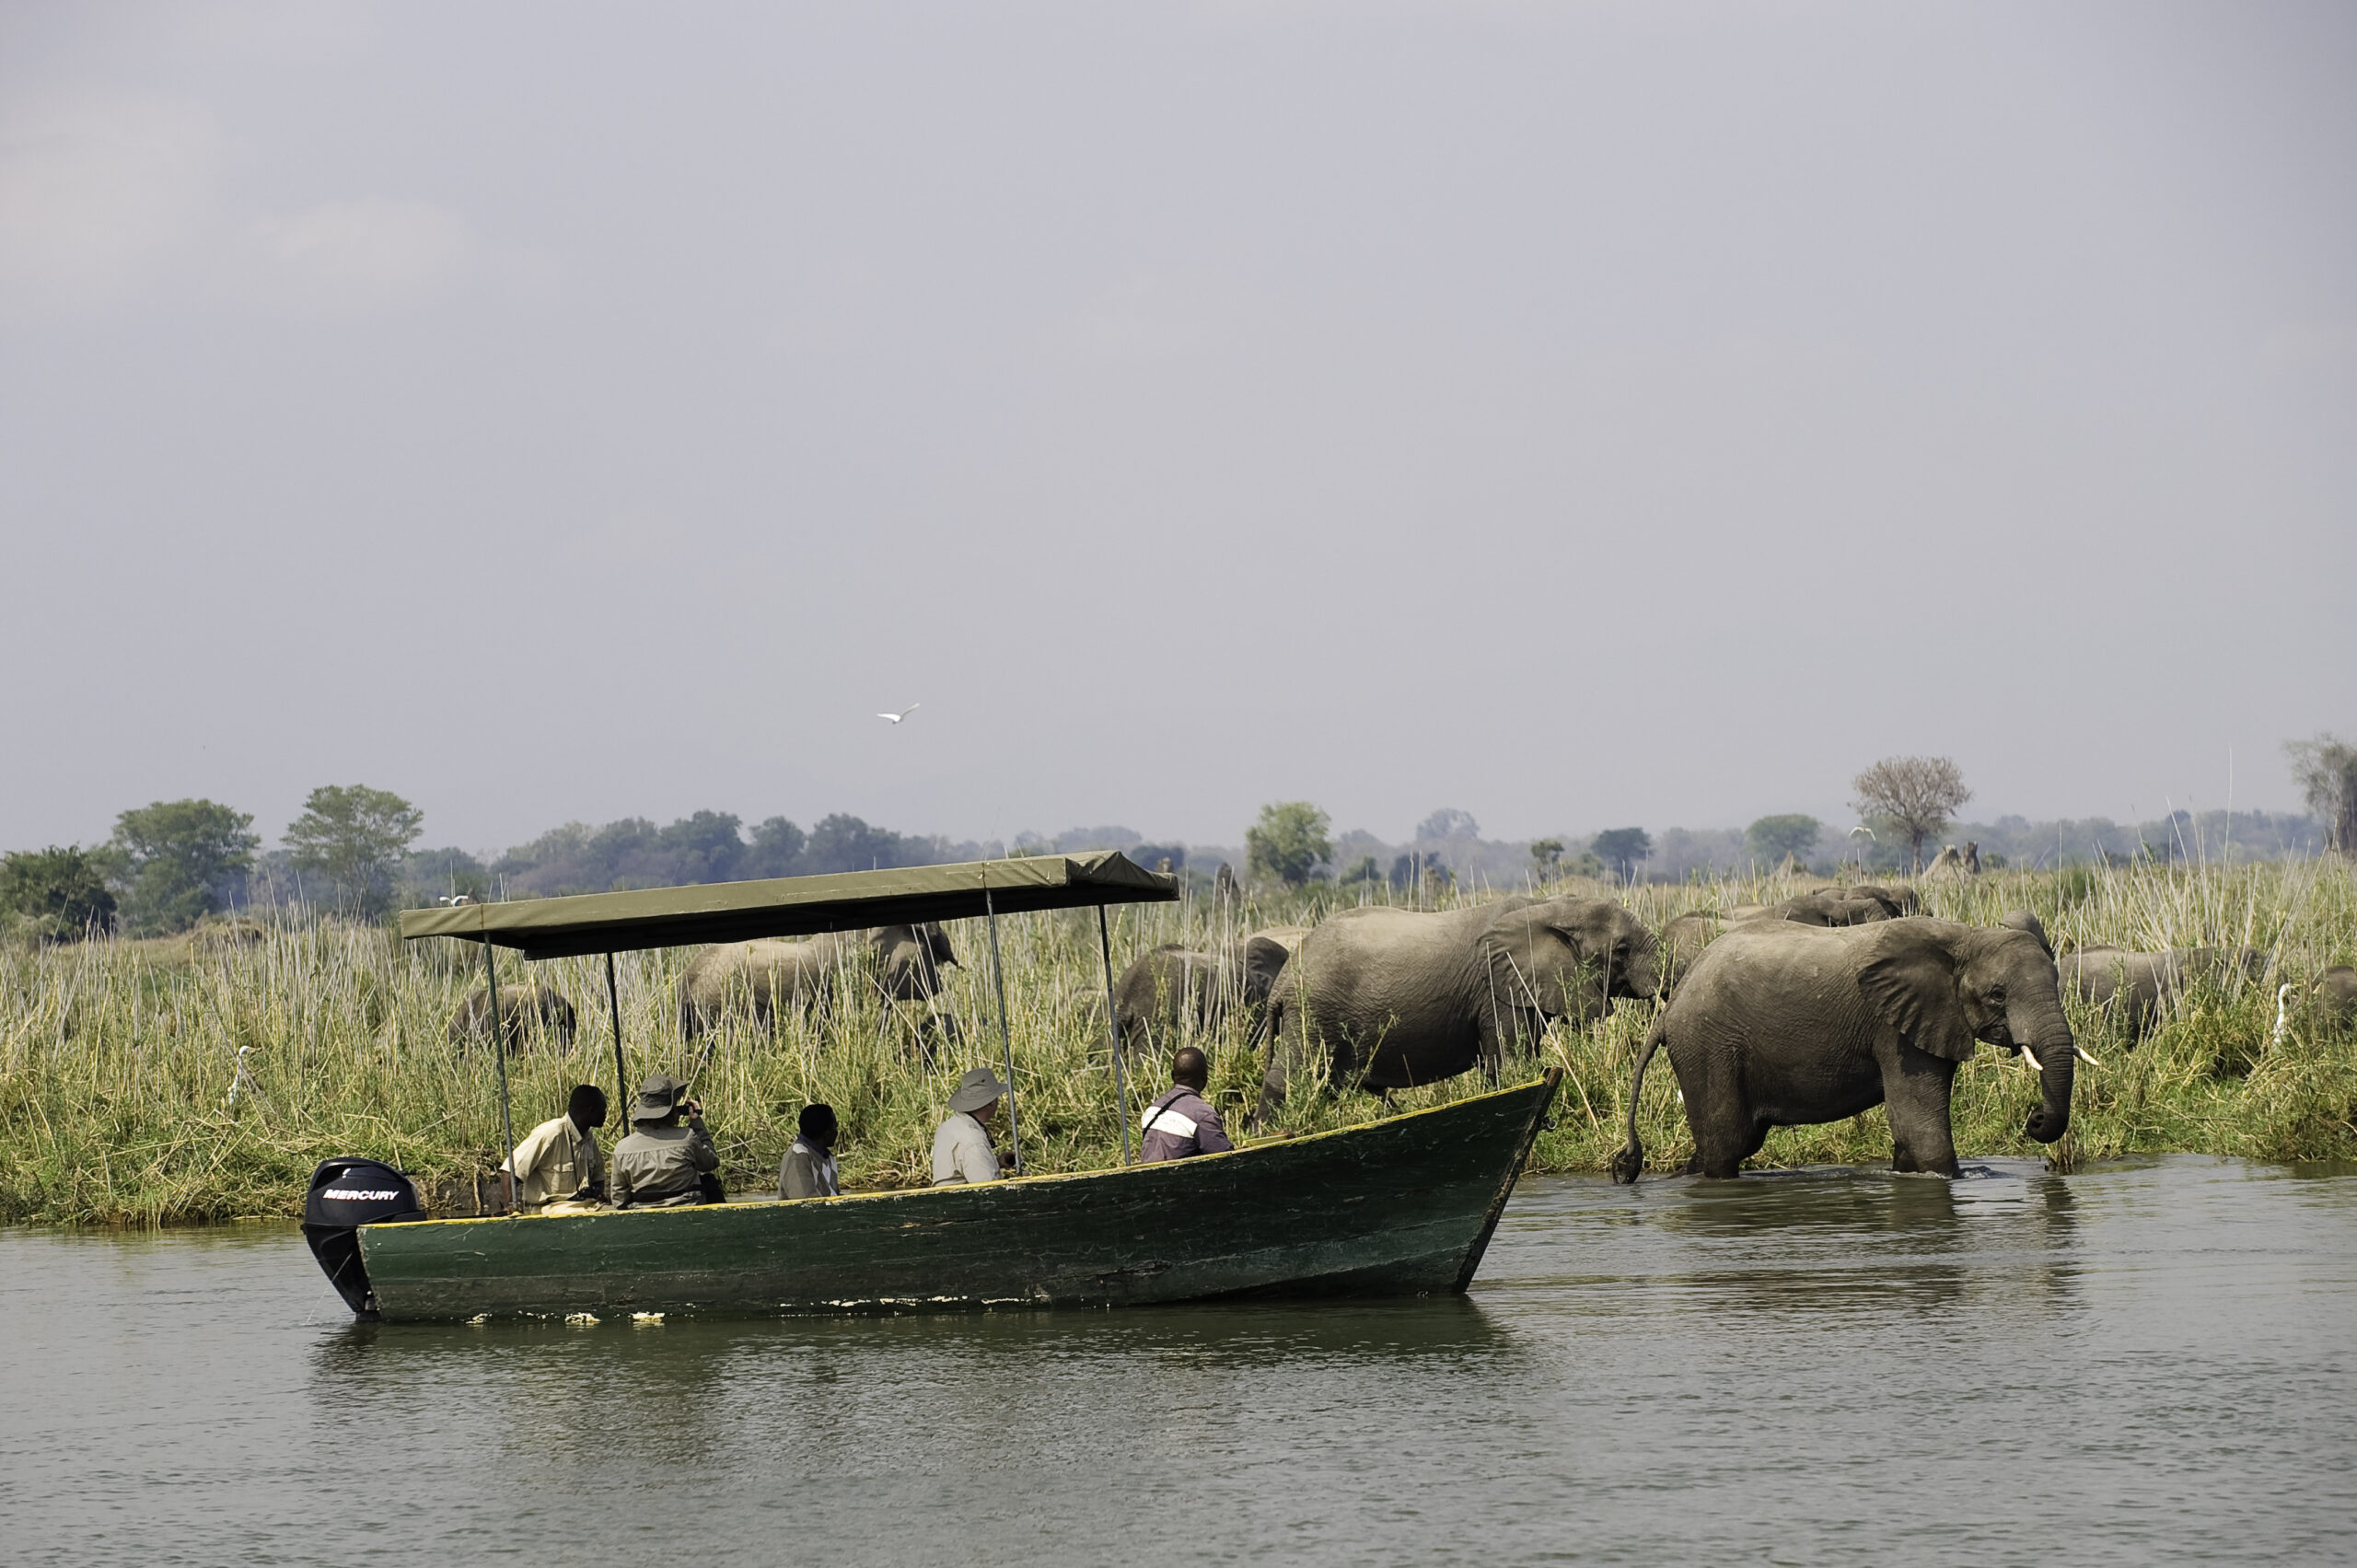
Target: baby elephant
1779, 1024
523, 1009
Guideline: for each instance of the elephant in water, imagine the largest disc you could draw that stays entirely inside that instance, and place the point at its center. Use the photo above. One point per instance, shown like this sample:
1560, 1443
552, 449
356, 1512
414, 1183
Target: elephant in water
1172, 989
901, 963
524, 1010
1781, 1025
1390, 998
2136, 986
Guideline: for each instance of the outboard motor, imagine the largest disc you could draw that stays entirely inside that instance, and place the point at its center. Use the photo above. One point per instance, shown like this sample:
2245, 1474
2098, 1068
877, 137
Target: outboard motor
346, 1193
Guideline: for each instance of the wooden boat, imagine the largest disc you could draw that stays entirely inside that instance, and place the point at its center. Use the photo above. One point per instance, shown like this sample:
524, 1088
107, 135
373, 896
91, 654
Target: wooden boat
1401, 1206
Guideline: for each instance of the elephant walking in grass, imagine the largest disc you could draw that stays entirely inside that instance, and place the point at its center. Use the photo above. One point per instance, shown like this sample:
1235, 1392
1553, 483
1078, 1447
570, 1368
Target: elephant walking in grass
1389, 998
524, 1011
1174, 990
2136, 987
1780, 1025
759, 980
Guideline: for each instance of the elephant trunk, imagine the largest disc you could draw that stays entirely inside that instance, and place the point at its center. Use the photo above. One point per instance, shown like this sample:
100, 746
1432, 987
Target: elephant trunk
2050, 1042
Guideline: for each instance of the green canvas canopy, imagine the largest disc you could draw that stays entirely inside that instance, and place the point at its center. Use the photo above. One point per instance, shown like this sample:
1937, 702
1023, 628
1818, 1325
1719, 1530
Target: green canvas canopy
795, 906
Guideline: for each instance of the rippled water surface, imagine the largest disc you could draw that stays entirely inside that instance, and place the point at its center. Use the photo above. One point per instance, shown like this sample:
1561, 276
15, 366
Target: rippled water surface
2145, 1364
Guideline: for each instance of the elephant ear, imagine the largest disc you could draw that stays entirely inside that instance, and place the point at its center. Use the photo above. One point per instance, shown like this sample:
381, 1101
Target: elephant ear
1911, 987
1264, 957
1526, 957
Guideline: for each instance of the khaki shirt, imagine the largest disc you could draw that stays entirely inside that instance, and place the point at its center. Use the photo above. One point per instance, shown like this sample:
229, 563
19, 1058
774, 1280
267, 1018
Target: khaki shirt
556, 1160
656, 1167
961, 1152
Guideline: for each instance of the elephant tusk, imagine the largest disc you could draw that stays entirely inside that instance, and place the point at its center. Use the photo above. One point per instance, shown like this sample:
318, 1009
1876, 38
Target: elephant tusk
2031, 1057
2086, 1056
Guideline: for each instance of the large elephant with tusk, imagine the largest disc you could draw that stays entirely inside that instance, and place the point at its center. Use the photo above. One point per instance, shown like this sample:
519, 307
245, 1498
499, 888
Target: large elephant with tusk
1781, 1025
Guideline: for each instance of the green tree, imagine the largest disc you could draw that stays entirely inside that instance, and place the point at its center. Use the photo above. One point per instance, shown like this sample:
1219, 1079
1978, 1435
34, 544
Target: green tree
1620, 849
356, 837
1362, 869
177, 856
1288, 841
1918, 796
57, 895
1548, 855
1770, 839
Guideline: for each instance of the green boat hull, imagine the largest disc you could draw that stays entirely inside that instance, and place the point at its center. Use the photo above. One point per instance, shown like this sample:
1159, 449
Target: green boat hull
1402, 1206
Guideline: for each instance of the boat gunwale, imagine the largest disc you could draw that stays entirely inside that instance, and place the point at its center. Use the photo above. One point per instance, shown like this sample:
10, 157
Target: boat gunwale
1192, 1162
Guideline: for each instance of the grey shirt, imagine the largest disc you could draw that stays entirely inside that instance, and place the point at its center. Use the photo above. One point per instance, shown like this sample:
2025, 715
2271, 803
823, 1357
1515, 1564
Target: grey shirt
808, 1172
656, 1167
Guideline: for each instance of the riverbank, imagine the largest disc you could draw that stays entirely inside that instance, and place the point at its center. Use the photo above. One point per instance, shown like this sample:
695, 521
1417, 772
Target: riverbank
124, 1099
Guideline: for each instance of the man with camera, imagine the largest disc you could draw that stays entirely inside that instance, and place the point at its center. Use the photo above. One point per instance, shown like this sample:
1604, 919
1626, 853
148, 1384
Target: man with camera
663, 1165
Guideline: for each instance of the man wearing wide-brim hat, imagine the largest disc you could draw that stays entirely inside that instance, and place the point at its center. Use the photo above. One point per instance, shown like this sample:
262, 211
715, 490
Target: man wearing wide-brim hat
961, 1146
662, 1164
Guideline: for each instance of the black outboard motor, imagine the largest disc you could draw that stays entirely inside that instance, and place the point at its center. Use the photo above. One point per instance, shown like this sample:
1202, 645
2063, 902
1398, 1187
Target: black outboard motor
346, 1193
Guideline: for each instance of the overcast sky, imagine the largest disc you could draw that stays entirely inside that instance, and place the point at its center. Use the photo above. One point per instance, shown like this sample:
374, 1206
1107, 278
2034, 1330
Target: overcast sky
1578, 414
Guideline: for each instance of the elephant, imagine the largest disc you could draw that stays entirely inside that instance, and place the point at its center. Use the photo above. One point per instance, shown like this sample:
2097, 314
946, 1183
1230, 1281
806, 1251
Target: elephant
523, 1011
1683, 937
1844, 906
902, 963
1781, 1025
1174, 989
1954, 863
2336, 997
1392, 997
2136, 986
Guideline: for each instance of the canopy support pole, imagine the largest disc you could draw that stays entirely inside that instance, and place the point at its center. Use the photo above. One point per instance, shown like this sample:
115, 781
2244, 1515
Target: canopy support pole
1005, 1040
1113, 1030
621, 1073
499, 1053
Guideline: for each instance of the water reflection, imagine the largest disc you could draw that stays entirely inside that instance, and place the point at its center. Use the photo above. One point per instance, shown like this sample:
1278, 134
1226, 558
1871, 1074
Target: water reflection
1680, 1371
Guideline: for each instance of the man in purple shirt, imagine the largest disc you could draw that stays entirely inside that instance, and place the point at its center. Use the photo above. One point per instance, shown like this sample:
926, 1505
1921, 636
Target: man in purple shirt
1183, 1122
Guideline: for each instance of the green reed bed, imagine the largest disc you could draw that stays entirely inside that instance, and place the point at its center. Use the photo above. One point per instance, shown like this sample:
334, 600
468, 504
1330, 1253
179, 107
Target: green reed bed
118, 1059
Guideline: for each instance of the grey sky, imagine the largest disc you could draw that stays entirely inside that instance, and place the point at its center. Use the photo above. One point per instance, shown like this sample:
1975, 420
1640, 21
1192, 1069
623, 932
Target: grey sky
1577, 414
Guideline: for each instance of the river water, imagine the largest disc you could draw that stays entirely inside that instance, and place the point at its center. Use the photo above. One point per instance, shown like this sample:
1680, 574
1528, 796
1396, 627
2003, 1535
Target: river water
2138, 1363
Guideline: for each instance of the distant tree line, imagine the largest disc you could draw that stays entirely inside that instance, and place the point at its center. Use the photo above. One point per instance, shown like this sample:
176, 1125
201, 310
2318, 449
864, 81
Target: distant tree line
172, 864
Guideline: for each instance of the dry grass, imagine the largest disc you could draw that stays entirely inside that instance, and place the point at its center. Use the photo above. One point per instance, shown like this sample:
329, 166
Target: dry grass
117, 1059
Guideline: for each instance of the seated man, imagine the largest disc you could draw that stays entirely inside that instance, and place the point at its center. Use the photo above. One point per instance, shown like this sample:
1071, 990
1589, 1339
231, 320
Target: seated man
557, 1164
1182, 1122
663, 1165
961, 1145
808, 1168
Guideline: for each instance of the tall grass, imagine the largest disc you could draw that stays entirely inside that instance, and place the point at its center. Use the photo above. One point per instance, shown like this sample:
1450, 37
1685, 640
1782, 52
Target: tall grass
122, 1099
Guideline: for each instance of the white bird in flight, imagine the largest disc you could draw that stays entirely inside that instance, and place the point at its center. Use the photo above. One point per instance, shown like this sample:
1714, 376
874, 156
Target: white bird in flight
904, 712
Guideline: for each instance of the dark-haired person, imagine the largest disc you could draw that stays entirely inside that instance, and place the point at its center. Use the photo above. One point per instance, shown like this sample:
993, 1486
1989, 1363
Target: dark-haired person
557, 1164
1182, 1122
808, 1168
663, 1165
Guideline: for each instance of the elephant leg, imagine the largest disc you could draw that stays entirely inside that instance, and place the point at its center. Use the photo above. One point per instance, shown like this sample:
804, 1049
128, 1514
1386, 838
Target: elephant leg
1916, 1091
1726, 1132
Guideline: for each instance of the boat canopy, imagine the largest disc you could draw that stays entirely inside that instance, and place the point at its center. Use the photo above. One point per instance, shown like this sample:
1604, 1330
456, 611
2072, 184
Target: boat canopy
795, 906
